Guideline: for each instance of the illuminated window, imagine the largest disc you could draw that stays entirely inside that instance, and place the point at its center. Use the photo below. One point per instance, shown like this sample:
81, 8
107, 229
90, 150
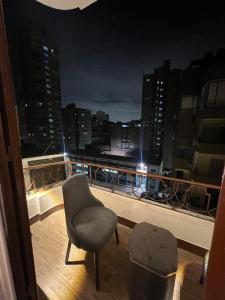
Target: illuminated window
45, 48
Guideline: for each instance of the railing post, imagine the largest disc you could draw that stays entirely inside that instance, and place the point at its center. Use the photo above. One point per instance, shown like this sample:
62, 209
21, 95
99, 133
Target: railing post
90, 176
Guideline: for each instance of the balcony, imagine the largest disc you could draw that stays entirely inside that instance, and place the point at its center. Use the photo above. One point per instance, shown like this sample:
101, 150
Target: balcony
123, 191
59, 281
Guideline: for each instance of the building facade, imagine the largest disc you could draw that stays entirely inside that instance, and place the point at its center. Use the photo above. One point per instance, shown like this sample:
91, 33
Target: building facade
77, 126
125, 138
101, 131
160, 103
200, 144
70, 128
37, 85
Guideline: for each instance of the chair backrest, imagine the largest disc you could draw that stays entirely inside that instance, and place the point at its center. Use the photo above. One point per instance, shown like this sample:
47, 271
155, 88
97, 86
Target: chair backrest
77, 195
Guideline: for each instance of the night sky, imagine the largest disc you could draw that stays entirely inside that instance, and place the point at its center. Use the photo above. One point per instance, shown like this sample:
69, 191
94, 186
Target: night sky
105, 49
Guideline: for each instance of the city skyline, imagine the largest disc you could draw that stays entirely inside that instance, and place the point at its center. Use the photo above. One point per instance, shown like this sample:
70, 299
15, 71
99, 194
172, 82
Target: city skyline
105, 51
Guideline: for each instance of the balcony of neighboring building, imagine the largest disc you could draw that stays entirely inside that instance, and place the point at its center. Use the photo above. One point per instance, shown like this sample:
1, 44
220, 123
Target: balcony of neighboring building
208, 167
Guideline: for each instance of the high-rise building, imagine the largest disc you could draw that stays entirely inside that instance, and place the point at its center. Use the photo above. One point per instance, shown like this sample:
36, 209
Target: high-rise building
37, 83
77, 127
101, 131
70, 128
160, 103
84, 127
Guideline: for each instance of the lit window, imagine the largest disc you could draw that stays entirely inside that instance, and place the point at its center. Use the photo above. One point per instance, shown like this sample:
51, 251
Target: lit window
40, 104
82, 126
48, 85
26, 105
50, 120
51, 131
49, 92
148, 79
46, 54
52, 136
47, 80
44, 134
52, 50
45, 48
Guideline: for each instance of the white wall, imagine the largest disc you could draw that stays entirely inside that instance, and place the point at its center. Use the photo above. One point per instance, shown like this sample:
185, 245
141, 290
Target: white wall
184, 226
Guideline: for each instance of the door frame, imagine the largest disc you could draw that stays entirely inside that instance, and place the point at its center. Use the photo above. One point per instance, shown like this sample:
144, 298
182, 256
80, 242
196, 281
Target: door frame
13, 206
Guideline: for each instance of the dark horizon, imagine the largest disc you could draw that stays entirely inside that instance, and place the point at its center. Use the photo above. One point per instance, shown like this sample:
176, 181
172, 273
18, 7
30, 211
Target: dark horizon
105, 49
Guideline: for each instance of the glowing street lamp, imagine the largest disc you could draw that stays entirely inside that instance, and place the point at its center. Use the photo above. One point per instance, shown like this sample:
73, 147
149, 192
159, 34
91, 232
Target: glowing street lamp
142, 168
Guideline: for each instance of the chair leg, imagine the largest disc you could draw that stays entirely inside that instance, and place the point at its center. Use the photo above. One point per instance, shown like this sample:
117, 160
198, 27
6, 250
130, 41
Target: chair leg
68, 252
96, 254
117, 236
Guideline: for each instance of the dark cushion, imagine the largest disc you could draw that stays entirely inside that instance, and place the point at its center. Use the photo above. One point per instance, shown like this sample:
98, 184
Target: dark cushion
93, 227
154, 248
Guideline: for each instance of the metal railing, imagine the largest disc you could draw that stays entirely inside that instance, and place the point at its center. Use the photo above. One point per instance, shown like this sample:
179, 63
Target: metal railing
175, 193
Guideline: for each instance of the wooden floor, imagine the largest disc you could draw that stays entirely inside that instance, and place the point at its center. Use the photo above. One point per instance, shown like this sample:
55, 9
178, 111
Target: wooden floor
58, 281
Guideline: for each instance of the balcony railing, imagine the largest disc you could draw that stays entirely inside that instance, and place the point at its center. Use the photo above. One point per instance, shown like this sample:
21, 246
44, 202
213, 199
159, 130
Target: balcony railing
197, 197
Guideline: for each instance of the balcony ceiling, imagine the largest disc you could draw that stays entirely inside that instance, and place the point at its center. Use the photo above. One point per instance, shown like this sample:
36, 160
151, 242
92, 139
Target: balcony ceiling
68, 4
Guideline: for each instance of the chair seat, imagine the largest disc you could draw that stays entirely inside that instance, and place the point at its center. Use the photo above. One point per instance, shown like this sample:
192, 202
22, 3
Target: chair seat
93, 227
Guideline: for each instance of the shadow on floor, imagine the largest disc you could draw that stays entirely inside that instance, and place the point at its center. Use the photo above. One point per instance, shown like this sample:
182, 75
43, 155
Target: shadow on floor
191, 288
41, 294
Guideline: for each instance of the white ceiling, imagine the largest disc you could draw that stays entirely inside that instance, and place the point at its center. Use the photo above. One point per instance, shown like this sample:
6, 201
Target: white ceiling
67, 4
